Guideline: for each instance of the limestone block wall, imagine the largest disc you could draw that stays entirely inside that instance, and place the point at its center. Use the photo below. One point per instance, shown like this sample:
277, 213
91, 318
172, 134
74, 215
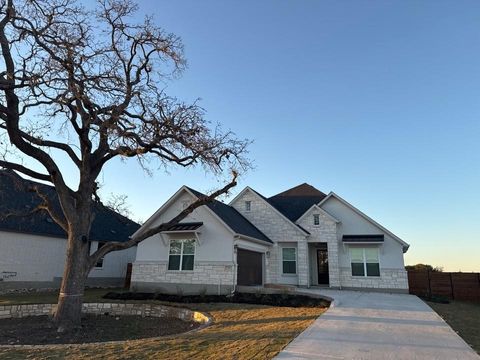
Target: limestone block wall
219, 273
153, 310
278, 229
389, 279
325, 232
302, 263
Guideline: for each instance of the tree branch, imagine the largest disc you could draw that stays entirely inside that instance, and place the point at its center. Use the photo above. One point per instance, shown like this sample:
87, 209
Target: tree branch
24, 170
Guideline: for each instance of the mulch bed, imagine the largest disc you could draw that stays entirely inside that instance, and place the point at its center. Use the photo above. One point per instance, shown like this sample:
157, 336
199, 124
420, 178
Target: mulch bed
36, 330
242, 298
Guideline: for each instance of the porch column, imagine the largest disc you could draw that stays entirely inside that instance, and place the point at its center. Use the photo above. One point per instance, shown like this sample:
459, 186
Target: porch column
302, 263
333, 264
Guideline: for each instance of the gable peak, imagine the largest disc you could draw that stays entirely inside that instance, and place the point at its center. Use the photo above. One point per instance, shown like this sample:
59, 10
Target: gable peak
302, 190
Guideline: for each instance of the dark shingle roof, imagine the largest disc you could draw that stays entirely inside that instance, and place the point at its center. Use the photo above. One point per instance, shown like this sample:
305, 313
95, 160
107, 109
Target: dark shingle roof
236, 221
294, 202
18, 201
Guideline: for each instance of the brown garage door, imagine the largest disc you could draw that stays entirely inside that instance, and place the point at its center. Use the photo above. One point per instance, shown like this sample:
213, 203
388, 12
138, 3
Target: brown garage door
250, 270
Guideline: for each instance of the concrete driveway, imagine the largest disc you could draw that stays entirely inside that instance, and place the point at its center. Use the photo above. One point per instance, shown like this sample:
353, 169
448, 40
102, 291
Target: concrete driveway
363, 325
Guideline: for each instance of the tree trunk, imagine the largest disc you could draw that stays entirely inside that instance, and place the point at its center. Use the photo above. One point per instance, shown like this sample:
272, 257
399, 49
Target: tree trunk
70, 299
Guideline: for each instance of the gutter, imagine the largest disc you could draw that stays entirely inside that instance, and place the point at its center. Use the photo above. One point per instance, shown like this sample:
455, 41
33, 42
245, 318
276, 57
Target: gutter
262, 242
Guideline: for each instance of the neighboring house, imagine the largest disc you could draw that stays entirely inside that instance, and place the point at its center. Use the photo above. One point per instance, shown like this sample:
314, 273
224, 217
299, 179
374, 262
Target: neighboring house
299, 237
33, 246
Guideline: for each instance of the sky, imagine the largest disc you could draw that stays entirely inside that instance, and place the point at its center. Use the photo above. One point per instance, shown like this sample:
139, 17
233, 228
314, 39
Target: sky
378, 101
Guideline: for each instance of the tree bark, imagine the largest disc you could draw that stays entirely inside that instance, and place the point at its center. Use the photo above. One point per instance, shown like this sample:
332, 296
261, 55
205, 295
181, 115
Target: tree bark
70, 299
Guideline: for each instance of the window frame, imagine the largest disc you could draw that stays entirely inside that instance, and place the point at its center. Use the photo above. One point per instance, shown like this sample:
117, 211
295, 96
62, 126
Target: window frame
364, 262
295, 261
248, 206
181, 254
316, 217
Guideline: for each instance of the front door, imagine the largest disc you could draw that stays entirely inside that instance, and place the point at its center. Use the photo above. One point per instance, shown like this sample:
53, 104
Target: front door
322, 263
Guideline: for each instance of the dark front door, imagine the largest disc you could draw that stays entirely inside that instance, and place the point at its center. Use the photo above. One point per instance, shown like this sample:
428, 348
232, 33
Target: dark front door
250, 270
322, 263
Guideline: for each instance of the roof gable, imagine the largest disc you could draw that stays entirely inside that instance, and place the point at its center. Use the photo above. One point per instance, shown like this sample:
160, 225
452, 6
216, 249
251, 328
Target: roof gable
296, 226
319, 210
233, 219
17, 200
367, 218
230, 217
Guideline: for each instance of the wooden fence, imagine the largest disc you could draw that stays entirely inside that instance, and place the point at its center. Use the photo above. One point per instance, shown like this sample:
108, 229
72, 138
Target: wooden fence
453, 285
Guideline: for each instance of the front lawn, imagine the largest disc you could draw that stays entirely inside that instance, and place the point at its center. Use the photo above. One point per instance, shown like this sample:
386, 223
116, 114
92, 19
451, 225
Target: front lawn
239, 331
463, 317
50, 297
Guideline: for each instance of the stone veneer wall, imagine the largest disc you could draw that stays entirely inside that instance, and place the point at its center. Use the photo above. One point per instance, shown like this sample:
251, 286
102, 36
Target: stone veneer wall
205, 273
277, 229
149, 310
325, 232
392, 279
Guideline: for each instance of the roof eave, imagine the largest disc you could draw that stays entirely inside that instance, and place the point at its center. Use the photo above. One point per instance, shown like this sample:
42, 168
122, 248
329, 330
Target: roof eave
237, 235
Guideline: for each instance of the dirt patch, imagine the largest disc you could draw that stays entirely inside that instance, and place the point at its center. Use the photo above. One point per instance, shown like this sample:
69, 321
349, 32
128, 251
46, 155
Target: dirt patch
287, 300
36, 330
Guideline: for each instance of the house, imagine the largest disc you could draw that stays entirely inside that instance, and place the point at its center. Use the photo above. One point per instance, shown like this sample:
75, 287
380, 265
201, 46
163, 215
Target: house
299, 237
33, 246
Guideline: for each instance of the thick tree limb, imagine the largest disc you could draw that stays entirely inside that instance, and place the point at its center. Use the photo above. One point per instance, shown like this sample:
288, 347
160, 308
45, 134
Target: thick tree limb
24, 170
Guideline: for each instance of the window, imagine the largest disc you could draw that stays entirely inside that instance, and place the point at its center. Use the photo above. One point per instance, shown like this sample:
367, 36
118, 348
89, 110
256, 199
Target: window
182, 253
99, 263
364, 261
289, 260
248, 205
316, 219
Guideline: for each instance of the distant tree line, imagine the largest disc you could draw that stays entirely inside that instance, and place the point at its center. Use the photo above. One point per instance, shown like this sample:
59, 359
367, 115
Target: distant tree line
424, 267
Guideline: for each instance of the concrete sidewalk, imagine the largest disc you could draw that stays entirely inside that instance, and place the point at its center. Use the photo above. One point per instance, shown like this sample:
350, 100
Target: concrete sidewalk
362, 325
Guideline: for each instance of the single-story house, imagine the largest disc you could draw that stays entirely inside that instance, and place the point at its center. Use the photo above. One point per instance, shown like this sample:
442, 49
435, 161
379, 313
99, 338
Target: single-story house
299, 237
33, 246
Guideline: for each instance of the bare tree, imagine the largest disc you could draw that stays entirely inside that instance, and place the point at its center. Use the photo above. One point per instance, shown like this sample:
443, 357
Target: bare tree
118, 203
89, 86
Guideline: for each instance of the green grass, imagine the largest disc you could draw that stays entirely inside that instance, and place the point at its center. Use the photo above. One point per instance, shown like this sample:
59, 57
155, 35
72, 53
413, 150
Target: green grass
91, 295
464, 318
239, 331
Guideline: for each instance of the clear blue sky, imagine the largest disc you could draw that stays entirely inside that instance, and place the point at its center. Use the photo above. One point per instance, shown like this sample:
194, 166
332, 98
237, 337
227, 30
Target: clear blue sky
378, 101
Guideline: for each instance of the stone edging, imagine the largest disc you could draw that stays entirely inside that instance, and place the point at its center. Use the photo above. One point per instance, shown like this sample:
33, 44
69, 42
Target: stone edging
144, 310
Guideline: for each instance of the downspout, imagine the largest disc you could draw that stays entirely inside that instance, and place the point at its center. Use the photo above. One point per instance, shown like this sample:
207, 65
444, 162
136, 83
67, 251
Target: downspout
234, 260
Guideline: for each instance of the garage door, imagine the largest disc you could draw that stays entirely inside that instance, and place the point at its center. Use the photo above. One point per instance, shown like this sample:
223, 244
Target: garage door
250, 269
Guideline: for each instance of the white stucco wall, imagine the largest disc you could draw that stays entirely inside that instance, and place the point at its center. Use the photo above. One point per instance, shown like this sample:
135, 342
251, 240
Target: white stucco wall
114, 263
392, 269
216, 241
37, 258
